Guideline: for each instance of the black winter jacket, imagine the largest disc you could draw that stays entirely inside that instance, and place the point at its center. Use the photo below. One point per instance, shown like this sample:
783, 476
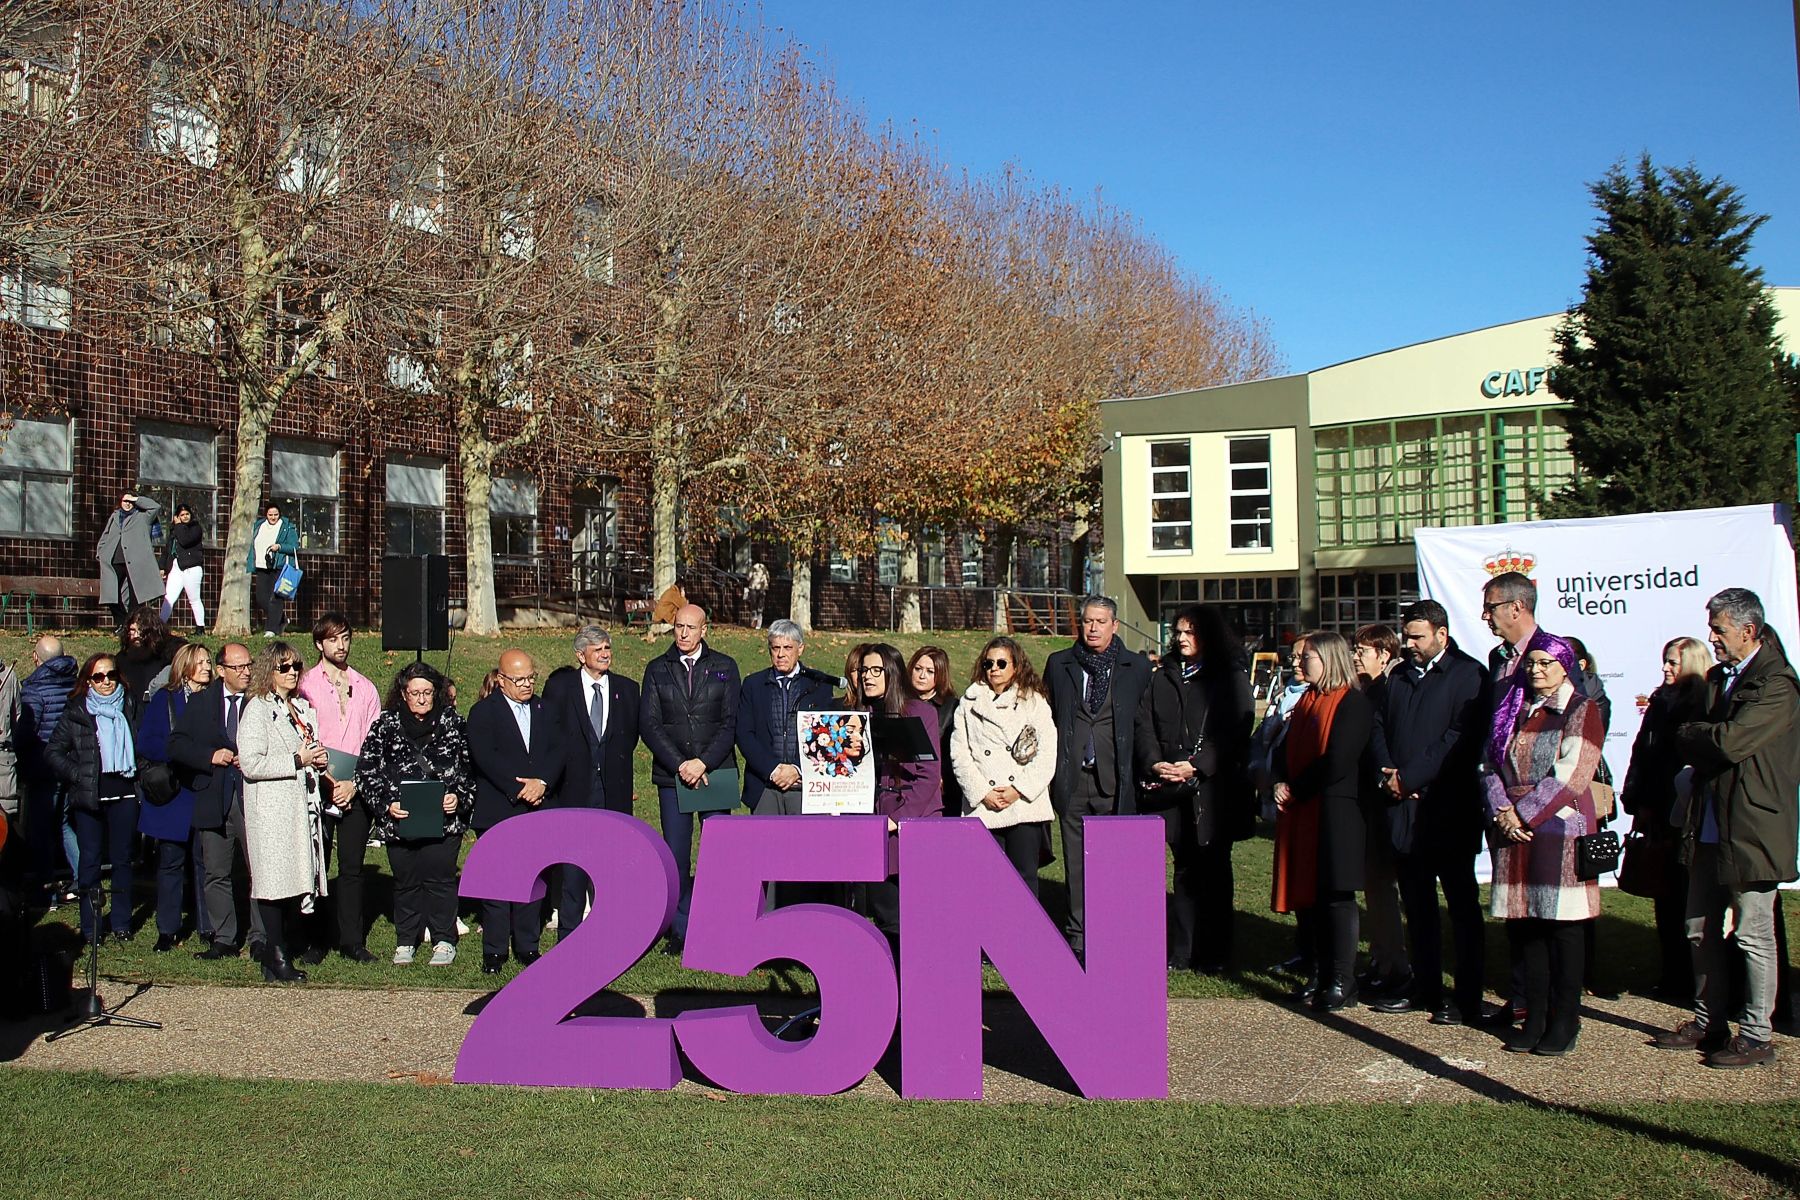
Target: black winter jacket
677, 726
388, 758
74, 753
1213, 710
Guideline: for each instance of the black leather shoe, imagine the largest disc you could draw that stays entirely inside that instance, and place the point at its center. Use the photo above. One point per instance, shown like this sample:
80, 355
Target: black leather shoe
123, 935
492, 964
218, 950
529, 957
356, 953
165, 942
313, 956
1549, 1048
277, 968
1397, 1004
1391, 986
674, 946
1447, 1014
1335, 998
1522, 1041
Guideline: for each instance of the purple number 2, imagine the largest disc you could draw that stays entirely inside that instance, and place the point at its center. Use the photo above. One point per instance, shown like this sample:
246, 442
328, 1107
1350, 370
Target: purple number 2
525, 1034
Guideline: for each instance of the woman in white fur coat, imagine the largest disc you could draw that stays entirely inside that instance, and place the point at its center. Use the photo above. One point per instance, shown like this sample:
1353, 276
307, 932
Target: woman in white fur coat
1003, 750
282, 760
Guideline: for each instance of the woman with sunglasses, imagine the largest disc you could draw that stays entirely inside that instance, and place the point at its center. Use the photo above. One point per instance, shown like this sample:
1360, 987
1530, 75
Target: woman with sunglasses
1543, 749
419, 736
94, 753
1003, 749
903, 788
283, 763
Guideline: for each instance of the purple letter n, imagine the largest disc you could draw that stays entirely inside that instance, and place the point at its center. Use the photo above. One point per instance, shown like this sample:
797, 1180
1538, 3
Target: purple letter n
960, 896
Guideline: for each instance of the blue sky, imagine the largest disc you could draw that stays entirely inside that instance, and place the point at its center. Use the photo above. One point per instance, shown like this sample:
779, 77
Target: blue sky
1362, 176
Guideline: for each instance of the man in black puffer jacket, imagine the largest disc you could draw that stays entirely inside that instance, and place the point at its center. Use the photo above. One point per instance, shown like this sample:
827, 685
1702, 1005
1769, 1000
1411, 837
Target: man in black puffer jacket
41, 700
688, 719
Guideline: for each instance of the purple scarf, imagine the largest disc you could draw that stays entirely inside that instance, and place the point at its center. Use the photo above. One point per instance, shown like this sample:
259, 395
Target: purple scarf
1512, 702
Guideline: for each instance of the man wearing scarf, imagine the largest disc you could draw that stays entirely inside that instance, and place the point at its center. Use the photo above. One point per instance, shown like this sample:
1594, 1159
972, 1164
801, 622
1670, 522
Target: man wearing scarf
1095, 686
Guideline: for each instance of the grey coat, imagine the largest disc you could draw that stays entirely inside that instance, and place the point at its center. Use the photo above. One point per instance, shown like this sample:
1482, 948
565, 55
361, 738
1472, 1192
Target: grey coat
140, 555
286, 844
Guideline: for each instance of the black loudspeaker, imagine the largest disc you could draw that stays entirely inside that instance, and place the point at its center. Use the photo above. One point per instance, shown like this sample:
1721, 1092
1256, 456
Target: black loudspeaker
415, 602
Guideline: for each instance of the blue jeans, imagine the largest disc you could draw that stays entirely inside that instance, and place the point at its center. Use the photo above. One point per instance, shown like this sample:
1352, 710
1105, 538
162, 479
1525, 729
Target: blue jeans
107, 833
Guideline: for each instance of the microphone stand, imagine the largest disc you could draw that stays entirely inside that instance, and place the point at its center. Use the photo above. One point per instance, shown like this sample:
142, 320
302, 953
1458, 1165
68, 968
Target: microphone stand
94, 1011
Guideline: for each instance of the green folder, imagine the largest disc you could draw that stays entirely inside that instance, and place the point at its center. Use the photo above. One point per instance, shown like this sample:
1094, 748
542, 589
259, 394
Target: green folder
423, 800
341, 766
718, 794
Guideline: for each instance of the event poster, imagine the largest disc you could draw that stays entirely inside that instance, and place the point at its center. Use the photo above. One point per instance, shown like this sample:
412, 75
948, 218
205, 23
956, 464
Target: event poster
1623, 585
837, 763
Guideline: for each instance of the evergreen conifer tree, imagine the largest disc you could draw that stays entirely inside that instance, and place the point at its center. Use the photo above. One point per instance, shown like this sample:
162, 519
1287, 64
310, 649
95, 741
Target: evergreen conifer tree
1677, 381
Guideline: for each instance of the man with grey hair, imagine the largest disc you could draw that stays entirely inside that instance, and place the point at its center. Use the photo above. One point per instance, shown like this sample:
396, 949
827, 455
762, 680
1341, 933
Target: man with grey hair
1095, 686
1742, 831
768, 730
598, 708
41, 698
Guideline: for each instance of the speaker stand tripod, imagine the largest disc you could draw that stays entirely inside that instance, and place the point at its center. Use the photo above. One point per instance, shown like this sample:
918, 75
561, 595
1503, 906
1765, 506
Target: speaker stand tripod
94, 1011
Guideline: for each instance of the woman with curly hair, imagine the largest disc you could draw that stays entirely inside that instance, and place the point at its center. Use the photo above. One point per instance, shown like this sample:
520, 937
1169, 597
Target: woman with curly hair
1003, 750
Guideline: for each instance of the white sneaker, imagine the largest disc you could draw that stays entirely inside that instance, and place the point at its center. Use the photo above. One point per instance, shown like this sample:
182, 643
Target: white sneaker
403, 955
443, 954
462, 927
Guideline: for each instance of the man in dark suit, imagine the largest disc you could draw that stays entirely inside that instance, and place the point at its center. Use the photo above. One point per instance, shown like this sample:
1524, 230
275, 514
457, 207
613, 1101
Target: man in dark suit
518, 749
1095, 686
688, 719
768, 721
599, 709
203, 745
1426, 748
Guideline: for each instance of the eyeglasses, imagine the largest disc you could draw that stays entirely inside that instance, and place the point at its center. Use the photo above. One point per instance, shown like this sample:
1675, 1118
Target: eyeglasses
876, 670
104, 676
416, 694
285, 667
521, 680
1488, 608
1540, 664
243, 666
995, 664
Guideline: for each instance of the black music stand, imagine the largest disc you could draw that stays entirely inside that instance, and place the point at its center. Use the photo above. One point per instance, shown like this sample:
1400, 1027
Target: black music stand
94, 1011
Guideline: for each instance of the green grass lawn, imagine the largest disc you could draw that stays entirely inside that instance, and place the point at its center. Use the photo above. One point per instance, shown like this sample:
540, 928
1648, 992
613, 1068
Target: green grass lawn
1626, 944
76, 1135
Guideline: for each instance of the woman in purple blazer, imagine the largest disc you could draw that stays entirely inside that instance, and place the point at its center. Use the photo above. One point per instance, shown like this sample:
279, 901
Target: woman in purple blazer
903, 789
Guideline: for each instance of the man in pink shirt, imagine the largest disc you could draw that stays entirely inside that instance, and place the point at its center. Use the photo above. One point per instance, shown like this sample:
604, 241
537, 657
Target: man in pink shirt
346, 704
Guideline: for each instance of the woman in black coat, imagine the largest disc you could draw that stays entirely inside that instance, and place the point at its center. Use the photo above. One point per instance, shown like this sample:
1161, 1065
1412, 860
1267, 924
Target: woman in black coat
1193, 748
94, 754
1650, 797
928, 679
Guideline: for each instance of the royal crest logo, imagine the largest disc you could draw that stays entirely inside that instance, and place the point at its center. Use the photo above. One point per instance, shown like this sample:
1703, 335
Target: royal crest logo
1522, 561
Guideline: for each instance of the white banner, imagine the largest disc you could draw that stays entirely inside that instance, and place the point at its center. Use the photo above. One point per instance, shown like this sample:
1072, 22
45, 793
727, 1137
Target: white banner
1623, 585
837, 762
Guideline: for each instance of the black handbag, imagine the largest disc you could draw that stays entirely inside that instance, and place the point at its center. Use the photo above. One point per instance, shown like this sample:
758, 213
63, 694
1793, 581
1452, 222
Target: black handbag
1648, 864
1596, 854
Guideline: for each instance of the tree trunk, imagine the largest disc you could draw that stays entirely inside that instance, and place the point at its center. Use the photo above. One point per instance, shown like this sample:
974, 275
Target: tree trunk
800, 603
1078, 550
1004, 539
254, 418
909, 588
482, 615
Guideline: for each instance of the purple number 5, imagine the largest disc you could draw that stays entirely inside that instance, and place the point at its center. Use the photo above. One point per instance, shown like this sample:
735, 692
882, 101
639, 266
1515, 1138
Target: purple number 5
525, 1034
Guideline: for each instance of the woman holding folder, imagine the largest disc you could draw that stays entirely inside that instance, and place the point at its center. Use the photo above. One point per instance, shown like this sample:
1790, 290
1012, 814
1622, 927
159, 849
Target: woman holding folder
416, 780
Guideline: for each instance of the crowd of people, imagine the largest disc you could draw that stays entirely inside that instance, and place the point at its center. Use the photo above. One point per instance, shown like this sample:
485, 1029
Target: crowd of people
1391, 758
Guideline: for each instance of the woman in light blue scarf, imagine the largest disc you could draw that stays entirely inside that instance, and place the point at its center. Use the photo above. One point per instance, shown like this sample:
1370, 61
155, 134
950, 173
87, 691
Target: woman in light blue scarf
93, 753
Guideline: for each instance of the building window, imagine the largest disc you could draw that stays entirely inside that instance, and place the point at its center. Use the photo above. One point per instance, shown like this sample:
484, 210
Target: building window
1171, 496
1036, 571
36, 478
1349, 600
841, 567
314, 159
178, 307
415, 505
971, 560
594, 541
411, 366
512, 360
34, 285
416, 179
1252, 496
299, 321
1263, 609
517, 226
888, 548
179, 464
37, 75
303, 484
593, 241
177, 127
931, 558
732, 548
1378, 481
512, 516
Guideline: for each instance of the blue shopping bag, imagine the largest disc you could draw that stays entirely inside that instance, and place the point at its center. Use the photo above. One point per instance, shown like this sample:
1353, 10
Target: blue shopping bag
287, 581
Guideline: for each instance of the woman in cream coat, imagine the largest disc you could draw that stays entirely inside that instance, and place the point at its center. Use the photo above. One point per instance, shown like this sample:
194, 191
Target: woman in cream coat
1003, 750
281, 758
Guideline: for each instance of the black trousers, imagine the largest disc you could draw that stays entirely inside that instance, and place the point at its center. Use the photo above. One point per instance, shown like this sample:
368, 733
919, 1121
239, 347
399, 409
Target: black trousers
1024, 849
1552, 956
1085, 801
1420, 873
1201, 893
501, 920
1327, 936
425, 888
1677, 973
278, 916
108, 833
341, 922
273, 606
174, 865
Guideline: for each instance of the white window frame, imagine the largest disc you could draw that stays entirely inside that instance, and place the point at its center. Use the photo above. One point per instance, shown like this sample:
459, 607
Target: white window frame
315, 161
517, 227
414, 470
37, 79
1266, 536
595, 223
408, 369
513, 373
35, 287
298, 502
178, 310
33, 464
1185, 472
840, 567
514, 497
171, 475
416, 176
294, 327
970, 560
176, 127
